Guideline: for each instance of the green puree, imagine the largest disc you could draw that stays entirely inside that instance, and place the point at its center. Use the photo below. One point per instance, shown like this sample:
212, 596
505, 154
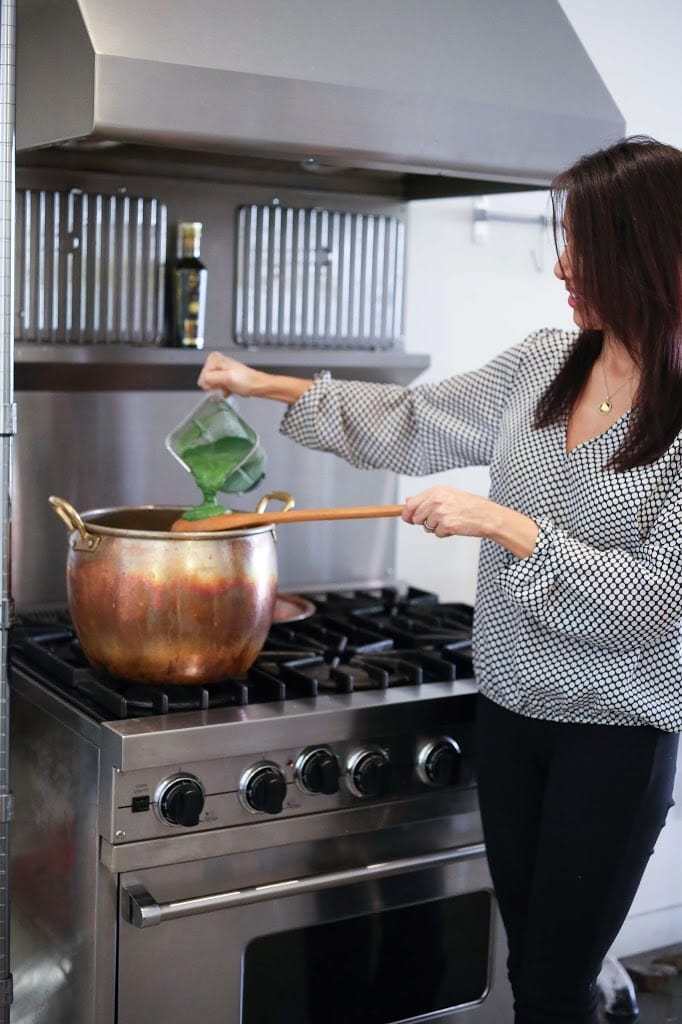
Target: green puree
211, 465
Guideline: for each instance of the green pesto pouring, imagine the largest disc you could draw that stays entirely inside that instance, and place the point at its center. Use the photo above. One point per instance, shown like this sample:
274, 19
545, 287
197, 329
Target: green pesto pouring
212, 465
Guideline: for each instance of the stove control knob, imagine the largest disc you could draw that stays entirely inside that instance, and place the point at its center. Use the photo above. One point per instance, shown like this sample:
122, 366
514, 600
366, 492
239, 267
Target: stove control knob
370, 773
181, 801
317, 771
263, 788
440, 762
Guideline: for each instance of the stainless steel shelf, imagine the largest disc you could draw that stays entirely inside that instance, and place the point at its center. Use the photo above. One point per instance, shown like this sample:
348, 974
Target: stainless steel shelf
156, 368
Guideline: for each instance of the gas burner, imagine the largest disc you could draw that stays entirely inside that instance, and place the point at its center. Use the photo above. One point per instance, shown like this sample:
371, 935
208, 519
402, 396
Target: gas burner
368, 602
413, 598
289, 676
420, 633
332, 636
453, 616
58, 653
352, 602
136, 699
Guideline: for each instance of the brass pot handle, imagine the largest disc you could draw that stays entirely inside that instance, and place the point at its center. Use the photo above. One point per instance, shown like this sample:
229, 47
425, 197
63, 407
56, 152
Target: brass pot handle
283, 496
68, 515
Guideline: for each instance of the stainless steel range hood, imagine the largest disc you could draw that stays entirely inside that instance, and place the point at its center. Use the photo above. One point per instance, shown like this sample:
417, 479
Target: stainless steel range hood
445, 96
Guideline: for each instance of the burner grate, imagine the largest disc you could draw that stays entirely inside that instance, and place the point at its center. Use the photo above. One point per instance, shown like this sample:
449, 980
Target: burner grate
356, 640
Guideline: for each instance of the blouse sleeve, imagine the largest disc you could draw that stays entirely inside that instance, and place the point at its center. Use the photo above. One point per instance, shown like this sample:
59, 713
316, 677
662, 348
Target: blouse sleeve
610, 598
420, 430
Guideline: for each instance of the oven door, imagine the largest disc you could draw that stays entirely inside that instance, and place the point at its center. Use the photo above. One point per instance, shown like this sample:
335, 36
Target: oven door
404, 939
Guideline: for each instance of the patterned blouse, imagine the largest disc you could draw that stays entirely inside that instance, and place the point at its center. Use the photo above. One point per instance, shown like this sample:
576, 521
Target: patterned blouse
587, 628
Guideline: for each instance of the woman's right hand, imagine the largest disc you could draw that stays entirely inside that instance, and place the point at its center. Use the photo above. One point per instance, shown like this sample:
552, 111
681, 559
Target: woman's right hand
221, 373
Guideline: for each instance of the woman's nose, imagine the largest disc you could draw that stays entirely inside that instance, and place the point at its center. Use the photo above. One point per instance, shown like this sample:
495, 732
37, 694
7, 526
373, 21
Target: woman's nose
560, 266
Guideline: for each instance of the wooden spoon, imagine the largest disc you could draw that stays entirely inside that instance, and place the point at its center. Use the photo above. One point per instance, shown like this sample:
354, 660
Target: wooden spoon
244, 520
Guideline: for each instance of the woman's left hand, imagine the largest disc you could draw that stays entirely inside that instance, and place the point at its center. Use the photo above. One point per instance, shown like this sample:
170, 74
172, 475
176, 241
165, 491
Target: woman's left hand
447, 512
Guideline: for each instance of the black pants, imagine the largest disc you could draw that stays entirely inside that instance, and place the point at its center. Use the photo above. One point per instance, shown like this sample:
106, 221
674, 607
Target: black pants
570, 816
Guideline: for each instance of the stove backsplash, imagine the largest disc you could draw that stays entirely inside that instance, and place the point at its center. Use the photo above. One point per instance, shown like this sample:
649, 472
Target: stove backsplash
105, 449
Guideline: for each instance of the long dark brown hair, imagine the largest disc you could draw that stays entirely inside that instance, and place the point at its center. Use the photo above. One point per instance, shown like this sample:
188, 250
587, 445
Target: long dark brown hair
624, 208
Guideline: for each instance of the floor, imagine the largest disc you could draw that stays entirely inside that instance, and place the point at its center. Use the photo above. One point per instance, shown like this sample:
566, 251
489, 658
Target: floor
661, 1007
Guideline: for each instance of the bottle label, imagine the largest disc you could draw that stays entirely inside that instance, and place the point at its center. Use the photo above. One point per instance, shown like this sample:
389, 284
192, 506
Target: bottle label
191, 306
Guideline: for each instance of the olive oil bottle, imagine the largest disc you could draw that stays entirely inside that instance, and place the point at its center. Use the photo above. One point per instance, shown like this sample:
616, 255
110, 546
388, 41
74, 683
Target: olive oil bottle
189, 289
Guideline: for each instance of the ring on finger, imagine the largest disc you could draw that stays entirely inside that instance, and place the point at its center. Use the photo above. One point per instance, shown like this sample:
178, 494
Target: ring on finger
429, 529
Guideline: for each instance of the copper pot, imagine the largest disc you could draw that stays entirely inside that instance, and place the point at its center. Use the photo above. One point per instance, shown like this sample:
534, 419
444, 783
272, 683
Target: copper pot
161, 607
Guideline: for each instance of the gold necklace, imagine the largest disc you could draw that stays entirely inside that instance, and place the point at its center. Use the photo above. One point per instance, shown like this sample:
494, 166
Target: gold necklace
606, 406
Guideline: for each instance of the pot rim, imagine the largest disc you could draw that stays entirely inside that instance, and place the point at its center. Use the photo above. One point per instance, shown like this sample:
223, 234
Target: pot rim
117, 531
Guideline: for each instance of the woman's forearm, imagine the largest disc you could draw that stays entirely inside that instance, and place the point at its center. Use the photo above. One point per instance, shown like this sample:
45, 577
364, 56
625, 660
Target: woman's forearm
513, 530
280, 389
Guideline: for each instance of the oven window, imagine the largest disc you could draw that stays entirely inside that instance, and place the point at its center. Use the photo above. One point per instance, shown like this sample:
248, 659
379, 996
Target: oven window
377, 969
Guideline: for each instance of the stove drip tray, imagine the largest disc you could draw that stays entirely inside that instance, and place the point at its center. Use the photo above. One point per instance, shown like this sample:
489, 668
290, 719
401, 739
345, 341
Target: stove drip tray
355, 640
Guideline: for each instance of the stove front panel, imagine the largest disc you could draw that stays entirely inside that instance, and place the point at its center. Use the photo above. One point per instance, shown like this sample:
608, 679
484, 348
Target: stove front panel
299, 761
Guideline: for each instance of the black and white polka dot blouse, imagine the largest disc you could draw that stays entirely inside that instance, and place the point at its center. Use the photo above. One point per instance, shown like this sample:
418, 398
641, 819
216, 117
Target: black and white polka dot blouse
588, 628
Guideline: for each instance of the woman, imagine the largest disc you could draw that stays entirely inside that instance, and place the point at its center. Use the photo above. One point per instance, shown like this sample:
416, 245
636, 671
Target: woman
578, 633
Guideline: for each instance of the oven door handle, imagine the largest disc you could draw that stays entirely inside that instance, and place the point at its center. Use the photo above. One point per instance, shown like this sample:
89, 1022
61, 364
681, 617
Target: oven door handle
141, 909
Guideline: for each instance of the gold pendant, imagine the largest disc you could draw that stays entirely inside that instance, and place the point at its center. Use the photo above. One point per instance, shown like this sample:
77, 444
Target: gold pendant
605, 407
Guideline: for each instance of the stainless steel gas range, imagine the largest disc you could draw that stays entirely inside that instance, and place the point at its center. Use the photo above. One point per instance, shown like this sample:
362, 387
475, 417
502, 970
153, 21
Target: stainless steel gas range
297, 846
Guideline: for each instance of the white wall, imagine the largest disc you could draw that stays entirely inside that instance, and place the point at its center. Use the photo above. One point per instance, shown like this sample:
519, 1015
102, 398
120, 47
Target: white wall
467, 301
635, 47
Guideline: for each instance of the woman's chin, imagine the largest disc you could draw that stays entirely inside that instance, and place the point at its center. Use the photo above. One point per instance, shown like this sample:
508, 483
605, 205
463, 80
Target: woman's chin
584, 323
